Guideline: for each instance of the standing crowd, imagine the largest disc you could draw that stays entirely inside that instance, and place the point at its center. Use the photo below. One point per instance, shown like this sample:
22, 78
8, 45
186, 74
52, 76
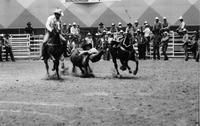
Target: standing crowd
143, 35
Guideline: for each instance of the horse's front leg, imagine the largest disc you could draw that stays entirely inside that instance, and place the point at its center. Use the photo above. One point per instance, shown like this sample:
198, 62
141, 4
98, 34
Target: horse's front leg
129, 68
47, 66
137, 65
56, 66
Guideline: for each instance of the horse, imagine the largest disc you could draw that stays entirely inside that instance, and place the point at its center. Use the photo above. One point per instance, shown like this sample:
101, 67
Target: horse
124, 51
53, 50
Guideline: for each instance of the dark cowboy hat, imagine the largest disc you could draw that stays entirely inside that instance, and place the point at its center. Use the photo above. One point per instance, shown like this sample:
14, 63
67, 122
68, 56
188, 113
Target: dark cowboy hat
101, 23
129, 24
29, 23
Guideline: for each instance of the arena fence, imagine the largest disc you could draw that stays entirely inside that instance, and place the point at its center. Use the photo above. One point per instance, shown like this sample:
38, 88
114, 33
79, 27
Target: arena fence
26, 46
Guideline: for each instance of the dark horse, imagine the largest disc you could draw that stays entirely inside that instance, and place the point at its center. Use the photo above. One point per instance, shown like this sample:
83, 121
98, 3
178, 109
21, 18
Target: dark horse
53, 50
125, 52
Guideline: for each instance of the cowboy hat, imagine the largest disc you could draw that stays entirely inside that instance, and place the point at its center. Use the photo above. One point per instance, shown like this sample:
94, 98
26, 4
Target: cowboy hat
180, 18
113, 24
136, 21
74, 23
89, 34
164, 18
64, 24
119, 23
101, 23
121, 31
108, 33
145, 22
129, 24
29, 23
157, 18
58, 11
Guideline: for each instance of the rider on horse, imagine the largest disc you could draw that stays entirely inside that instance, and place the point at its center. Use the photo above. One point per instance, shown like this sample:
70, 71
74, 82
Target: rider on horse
53, 24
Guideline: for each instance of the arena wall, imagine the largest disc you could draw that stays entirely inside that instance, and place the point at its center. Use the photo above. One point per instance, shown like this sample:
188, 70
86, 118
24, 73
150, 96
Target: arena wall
16, 13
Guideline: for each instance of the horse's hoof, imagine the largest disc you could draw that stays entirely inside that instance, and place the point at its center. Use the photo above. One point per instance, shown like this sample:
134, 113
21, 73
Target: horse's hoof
135, 72
130, 71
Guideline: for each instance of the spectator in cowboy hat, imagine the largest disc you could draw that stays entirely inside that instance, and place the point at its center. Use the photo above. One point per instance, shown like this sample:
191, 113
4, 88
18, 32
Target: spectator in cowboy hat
113, 28
29, 29
101, 28
119, 28
129, 29
181, 27
136, 25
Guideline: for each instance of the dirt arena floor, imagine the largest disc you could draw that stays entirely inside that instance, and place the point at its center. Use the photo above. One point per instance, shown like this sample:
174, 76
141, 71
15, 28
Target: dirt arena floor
163, 93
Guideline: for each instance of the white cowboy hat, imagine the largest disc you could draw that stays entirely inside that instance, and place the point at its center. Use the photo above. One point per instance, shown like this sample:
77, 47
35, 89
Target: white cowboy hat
58, 11
74, 23
121, 31
64, 24
88, 34
157, 18
145, 22
113, 24
136, 21
164, 18
108, 33
180, 17
119, 23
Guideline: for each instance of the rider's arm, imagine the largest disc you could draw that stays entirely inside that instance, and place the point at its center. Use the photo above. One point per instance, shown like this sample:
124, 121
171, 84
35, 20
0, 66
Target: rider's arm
48, 24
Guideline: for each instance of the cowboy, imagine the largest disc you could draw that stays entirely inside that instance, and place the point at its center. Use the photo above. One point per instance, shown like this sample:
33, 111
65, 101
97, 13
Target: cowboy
181, 27
88, 42
74, 29
52, 21
8, 47
69, 28
147, 33
64, 29
165, 25
29, 29
141, 41
136, 26
186, 42
129, 29
165, 41
119, 28
113, 29
101, 28
156, 44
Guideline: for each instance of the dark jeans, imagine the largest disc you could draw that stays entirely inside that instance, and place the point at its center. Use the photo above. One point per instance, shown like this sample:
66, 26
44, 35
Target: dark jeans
156, 46
148, 44
9, 51
164, 50
142, 51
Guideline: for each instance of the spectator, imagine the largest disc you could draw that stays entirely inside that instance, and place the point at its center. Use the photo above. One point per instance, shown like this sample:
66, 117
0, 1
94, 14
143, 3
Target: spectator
186, 43
113, 29
136, 26
141, 44
165, 25
181, 27
119, 28
64, 29
147, 33
8, 47
165, 41
29, 29
101, 28
69, 28
157, 40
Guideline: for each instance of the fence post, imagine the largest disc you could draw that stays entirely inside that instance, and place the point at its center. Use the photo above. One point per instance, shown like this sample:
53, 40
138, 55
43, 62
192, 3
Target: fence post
173, 42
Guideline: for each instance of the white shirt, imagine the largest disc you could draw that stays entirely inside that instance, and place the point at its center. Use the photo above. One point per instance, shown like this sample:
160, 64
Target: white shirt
51, 21
89, 40
74, 30
147, 32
